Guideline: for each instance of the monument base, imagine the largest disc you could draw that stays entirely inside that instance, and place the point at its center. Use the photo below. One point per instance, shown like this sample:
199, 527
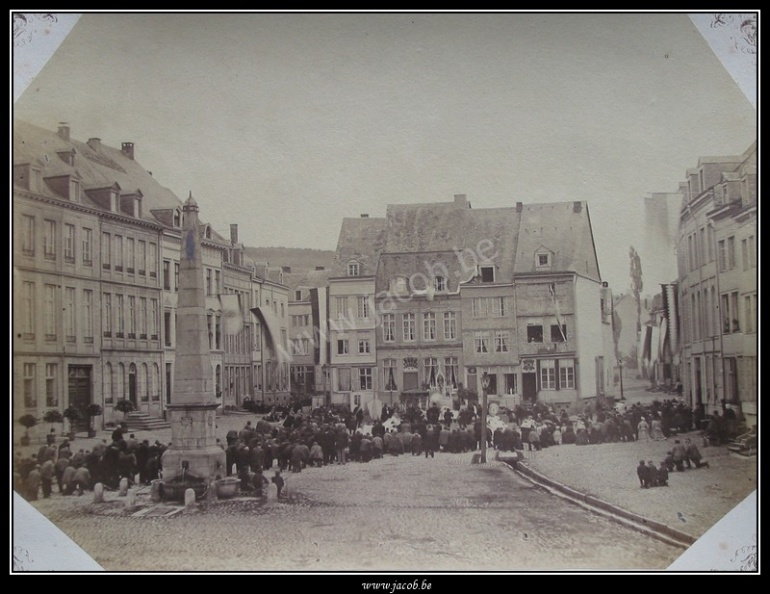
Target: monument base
206, 463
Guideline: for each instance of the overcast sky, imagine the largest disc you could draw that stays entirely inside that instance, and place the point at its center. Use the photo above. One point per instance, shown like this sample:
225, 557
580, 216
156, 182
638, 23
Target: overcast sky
285, 124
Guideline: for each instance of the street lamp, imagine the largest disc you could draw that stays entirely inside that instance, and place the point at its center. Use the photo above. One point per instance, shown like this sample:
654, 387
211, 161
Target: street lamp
620, 364
484, 386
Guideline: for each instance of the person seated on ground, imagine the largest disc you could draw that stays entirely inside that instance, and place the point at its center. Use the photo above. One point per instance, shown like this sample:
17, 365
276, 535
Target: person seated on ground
669, 461
693, 455
663, 474
652, 473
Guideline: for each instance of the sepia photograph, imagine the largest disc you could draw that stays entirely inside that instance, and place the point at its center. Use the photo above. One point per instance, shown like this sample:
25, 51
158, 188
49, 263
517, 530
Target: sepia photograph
397, 295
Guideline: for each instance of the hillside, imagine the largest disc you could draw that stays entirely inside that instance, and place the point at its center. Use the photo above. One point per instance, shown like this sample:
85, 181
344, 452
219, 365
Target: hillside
299, 259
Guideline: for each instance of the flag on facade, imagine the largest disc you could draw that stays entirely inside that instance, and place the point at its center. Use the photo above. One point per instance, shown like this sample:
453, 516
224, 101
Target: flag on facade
232, 314
557, 307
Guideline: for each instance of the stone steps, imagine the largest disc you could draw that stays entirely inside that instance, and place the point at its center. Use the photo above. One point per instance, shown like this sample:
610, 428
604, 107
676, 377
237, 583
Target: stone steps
139, 421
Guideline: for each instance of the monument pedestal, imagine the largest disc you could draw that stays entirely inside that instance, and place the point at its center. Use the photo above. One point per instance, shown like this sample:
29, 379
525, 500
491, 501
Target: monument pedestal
194, 452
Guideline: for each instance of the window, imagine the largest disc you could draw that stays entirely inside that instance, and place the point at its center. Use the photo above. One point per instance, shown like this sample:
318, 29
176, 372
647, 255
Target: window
487, 274
558, 333
429, 326
298, 295
70, 314
497, 309
118, 253
730, 321
492, 388
167, 329
481, 342
208, 282
107, 383
450, 325
343, 379
431, 370
363, 308
479, 307
389, 366
153, 319
534, 333
49, 239
750, 313
167, 275
141, 257
131, 316
747, 247
388, 327
353, 269
130, 255
547, 374
736, 326
722, 253
365, 378
145, 380
176, 277
342, 307
86, 245
543, 260
342, 347
731, 252
69, 243
30, 393
439, 283
283, 311
152, 259
567, 374
107, 299
143, 318
501, 342
177, 219
49, 312
51, 393
28, 309
451, 371
27, 235
88, 315
121, 323
510, 383
409, 323
710, 243
363, 347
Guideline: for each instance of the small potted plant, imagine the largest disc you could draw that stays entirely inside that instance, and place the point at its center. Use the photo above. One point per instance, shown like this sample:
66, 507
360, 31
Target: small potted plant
125, 406
52, 416
27, 421
72, 414
93, 410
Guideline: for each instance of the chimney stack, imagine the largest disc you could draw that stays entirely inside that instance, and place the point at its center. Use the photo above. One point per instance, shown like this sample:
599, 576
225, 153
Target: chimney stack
64, 131
95, 143
127, 148
234, 233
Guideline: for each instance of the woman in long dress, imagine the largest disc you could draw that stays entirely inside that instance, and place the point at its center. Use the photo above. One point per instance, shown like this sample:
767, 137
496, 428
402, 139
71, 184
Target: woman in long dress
656, 430
643, 430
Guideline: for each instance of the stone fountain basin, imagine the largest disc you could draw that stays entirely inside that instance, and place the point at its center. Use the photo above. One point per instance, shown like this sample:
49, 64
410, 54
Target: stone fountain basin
227, 487
174, 489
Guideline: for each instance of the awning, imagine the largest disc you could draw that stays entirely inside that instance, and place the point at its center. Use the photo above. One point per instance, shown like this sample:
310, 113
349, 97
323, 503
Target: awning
272, 324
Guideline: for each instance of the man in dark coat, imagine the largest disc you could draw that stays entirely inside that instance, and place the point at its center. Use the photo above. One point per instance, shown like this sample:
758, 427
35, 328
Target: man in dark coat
642, 471
679, 453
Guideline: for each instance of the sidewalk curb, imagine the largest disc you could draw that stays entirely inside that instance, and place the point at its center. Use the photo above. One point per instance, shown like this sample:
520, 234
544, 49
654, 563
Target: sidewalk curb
646, 525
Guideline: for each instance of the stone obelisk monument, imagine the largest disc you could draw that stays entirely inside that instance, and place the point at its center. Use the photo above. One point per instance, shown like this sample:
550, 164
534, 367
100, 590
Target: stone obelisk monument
193, 452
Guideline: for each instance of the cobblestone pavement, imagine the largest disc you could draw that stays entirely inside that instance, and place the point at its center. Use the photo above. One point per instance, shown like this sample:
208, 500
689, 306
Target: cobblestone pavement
408, 513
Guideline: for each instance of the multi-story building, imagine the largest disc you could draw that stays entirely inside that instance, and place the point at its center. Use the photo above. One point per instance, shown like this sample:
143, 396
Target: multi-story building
514, 293
352, 315
272, 384
308, 330
96, 261
717, 262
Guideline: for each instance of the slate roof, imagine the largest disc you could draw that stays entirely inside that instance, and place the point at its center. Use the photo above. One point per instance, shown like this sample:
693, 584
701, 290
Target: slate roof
362, 240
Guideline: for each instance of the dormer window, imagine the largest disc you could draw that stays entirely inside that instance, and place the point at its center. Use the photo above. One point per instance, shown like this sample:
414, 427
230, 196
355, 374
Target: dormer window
177, 219
207, 232
354, 268
439, 283
487, 274
543, 259
400, 286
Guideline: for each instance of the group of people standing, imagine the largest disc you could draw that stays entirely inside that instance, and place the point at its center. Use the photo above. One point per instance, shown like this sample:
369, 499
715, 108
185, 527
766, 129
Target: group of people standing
681, 454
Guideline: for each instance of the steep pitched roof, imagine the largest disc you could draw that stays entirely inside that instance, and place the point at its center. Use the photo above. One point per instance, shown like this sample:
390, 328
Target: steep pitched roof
313, 279
564, 228
97, 166
361, 240
426, 227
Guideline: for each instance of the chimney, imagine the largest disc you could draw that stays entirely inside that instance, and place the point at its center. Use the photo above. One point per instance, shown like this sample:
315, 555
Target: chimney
234, 233
364, 216
127, 148
519, 206
577, 206
95, 144
64, 131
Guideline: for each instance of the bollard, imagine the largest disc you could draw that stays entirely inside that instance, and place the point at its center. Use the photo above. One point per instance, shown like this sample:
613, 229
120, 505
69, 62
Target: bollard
123, 487
98, 493
155, 490
272, 492
189, 500
131, 501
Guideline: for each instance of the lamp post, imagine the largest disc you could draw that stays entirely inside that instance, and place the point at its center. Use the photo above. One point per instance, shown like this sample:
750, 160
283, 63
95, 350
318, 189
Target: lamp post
620, 365
484, 386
